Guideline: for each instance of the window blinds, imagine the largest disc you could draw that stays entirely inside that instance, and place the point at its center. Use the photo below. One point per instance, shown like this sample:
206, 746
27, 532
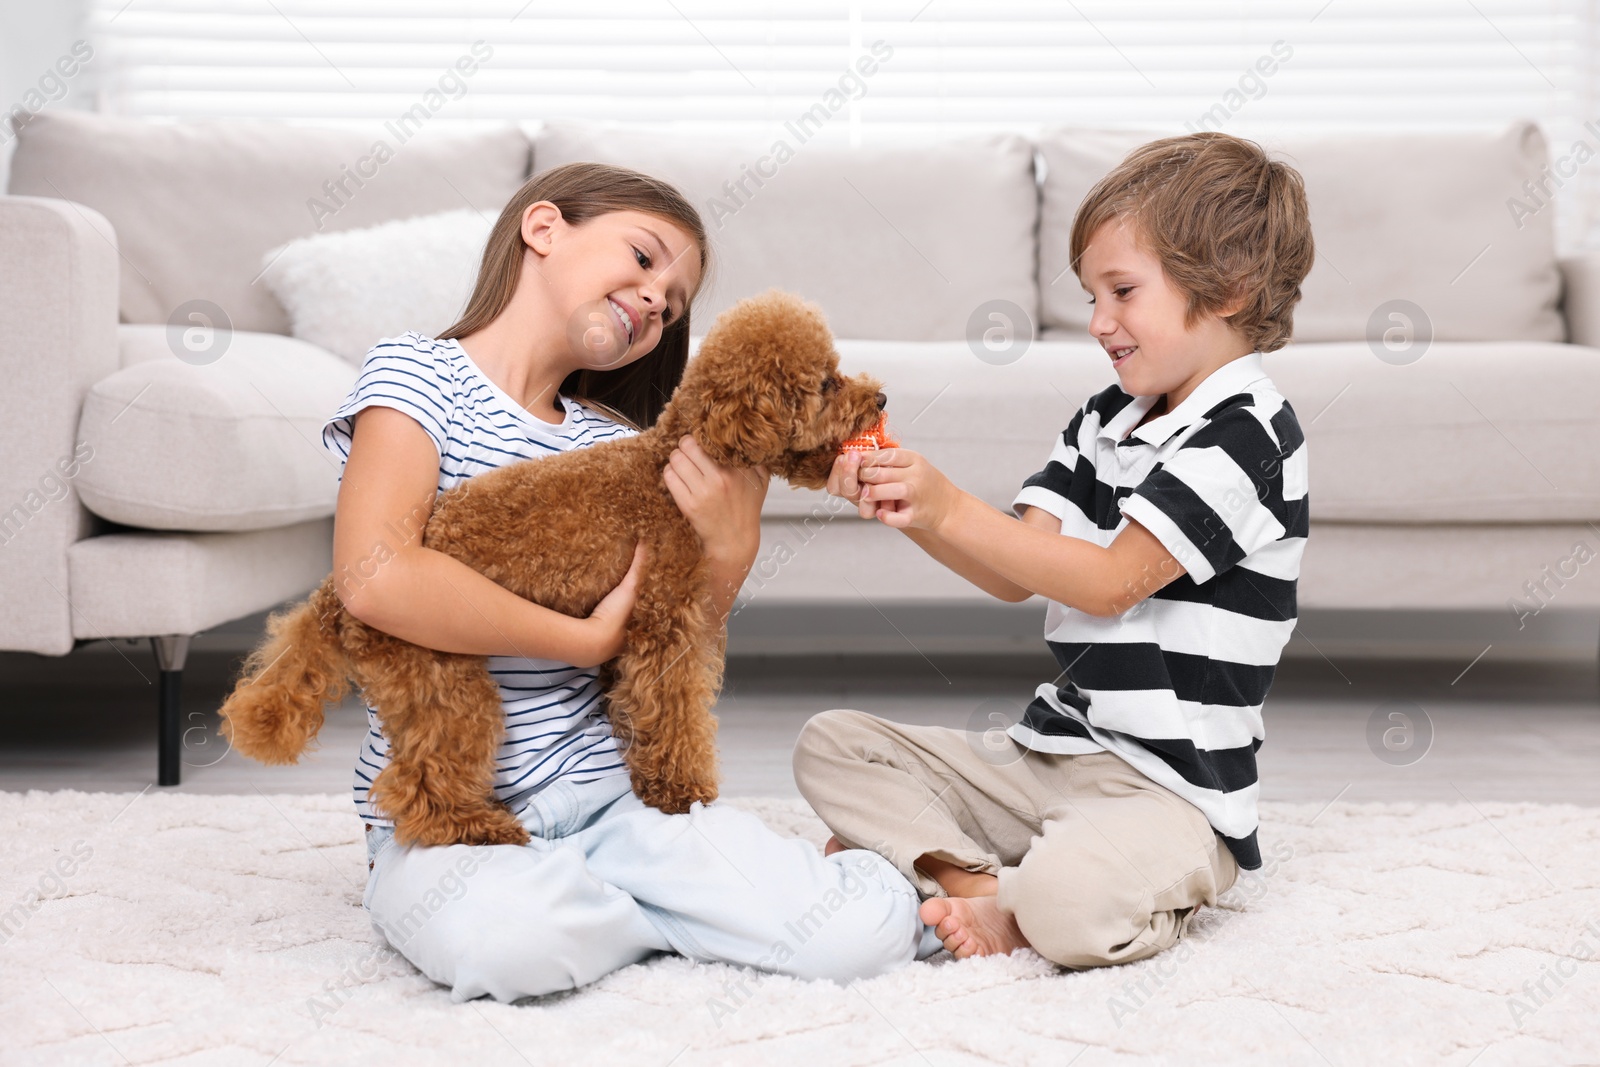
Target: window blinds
941, 67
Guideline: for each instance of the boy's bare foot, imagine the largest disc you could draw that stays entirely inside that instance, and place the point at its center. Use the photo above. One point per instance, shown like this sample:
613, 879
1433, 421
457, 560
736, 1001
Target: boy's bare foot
972, 926
832, 846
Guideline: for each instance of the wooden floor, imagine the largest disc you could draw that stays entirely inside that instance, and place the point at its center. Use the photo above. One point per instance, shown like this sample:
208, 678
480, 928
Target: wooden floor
1509, 731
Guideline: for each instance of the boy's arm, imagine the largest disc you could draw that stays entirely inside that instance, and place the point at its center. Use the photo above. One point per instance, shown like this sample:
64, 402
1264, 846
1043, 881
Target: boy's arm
1069, 570
974, 571
844, 481
908, 493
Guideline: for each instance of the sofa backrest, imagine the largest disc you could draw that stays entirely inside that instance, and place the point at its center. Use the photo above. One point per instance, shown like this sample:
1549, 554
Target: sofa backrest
911, 241
904, 242
197, 204
1427, 218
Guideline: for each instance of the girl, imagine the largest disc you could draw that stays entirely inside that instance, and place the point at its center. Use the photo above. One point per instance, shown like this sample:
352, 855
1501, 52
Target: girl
577, 331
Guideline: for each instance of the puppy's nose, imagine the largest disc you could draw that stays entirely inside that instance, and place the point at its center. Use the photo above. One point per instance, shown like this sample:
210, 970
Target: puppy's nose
882, 400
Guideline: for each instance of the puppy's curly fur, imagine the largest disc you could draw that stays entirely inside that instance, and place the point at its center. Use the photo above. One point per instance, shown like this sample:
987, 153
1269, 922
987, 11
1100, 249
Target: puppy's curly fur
763, 389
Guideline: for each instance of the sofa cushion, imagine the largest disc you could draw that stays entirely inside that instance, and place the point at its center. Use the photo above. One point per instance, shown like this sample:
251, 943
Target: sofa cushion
230, 444
892, 242
1470, 432
134, 583
196, 204
346, 291
1420, 217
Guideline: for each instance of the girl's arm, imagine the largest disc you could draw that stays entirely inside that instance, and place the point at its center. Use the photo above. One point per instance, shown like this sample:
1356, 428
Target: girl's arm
724, 507
844, 481
389, 581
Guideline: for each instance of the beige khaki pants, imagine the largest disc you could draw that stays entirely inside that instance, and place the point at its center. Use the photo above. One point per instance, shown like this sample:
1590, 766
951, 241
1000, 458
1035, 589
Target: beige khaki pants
1098, 863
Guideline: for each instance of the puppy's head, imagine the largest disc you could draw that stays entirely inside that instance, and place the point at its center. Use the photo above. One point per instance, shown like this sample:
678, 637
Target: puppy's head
765, 389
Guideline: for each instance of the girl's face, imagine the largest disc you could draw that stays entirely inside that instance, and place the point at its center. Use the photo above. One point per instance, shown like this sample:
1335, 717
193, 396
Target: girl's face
620, 279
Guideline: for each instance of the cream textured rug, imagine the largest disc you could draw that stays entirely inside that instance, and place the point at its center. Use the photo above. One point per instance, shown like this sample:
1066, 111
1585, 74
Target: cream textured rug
187, 929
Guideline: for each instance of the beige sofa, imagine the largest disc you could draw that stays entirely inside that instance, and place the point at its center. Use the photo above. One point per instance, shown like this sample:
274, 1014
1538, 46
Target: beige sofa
161, 480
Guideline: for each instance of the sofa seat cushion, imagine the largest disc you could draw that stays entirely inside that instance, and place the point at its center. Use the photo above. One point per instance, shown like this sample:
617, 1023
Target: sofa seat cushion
1429, 218
892, 241
195, 204
1488, 431
232, 444
1470, 432
135, 583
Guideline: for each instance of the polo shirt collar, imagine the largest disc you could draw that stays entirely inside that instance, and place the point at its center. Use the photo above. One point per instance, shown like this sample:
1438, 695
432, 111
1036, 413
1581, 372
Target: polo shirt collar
1232, 377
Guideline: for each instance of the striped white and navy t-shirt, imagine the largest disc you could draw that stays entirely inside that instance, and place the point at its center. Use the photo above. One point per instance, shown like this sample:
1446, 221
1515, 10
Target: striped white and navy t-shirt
1175, 685
556, 725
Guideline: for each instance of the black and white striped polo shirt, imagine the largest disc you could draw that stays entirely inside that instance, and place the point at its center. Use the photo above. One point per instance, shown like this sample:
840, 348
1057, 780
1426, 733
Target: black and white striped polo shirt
556, 724
1175, 685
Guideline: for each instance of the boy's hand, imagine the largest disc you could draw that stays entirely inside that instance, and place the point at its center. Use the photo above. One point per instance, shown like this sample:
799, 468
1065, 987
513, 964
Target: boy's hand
721, 503
844, 481
905, 490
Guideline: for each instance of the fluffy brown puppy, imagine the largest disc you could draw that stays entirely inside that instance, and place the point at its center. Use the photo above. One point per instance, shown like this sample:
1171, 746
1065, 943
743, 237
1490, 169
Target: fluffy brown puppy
764, 389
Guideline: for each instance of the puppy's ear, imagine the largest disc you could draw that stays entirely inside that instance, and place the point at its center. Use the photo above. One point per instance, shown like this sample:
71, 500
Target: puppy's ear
741, 427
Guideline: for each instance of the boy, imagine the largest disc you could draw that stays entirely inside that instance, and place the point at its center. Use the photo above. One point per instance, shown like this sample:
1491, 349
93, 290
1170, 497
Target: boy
1166, 530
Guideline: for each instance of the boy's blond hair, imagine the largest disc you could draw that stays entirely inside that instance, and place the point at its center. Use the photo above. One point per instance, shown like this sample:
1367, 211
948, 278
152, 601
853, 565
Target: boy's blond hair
1224, 220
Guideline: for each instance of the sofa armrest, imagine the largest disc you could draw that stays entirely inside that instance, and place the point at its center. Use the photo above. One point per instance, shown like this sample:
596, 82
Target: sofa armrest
58, 335
1580, 298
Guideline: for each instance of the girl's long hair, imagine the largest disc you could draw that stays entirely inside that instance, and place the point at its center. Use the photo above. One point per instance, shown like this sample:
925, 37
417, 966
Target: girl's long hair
637, 392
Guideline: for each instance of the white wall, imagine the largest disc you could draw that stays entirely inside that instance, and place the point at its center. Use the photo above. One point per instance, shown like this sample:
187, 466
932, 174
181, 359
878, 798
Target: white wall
34, 35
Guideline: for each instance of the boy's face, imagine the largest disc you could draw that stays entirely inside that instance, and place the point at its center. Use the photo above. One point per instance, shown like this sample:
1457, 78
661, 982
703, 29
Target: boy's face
1139, 319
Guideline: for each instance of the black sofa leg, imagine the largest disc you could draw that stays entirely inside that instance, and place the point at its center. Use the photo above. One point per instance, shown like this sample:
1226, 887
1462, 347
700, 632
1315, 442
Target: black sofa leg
170, 651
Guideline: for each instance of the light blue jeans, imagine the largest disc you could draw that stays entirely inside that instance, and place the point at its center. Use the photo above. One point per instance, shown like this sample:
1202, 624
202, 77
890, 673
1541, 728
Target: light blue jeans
607, 881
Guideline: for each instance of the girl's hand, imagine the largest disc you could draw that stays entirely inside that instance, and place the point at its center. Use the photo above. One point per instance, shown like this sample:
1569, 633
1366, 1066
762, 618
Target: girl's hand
905, 490
608, 622
723, 504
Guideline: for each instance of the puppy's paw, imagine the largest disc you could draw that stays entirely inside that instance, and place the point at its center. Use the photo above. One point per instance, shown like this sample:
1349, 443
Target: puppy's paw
674, 798
504, 831
422, 833
492, 824
516, 834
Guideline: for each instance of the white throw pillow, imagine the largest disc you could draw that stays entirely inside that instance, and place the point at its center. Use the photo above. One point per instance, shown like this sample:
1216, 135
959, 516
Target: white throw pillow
346, 291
